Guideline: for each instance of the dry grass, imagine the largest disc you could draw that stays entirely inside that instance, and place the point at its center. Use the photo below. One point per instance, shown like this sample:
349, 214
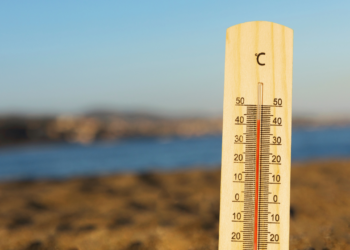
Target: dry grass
171, 211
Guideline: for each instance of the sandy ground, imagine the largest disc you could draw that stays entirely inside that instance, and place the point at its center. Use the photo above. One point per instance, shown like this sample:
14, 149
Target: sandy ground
170, 211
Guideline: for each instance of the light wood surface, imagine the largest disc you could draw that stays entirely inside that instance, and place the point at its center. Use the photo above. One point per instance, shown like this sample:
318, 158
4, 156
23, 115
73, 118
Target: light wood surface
243, 72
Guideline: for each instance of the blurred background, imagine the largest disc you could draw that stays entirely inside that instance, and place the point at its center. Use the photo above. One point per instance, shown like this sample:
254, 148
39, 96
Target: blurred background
94, 88
91, 89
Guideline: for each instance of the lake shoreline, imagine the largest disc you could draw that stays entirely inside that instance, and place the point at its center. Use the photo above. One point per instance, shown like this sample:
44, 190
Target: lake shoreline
146, 155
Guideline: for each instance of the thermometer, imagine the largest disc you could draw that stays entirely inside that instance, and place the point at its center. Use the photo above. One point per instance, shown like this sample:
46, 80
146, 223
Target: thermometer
256, 145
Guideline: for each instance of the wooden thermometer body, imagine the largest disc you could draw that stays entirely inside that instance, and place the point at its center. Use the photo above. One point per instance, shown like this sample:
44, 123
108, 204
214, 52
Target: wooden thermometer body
256, 146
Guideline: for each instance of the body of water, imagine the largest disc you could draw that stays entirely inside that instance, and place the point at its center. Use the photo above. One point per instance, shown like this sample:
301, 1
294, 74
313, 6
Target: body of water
139, 155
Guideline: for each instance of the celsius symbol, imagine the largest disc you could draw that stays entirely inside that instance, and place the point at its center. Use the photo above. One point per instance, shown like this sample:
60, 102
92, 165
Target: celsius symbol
257, 58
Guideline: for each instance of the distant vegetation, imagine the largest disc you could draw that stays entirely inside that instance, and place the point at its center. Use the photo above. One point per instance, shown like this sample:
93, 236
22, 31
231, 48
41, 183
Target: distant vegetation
100, 126
113, 126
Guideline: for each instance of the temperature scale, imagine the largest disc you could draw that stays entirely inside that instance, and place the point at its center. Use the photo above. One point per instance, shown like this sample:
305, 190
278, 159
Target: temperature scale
256, 147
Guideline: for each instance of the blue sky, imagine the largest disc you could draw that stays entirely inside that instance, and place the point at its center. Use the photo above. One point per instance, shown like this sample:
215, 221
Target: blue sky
162, 56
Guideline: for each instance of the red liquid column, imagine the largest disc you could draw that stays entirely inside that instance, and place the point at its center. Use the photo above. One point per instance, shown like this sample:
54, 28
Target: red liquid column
257, 164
